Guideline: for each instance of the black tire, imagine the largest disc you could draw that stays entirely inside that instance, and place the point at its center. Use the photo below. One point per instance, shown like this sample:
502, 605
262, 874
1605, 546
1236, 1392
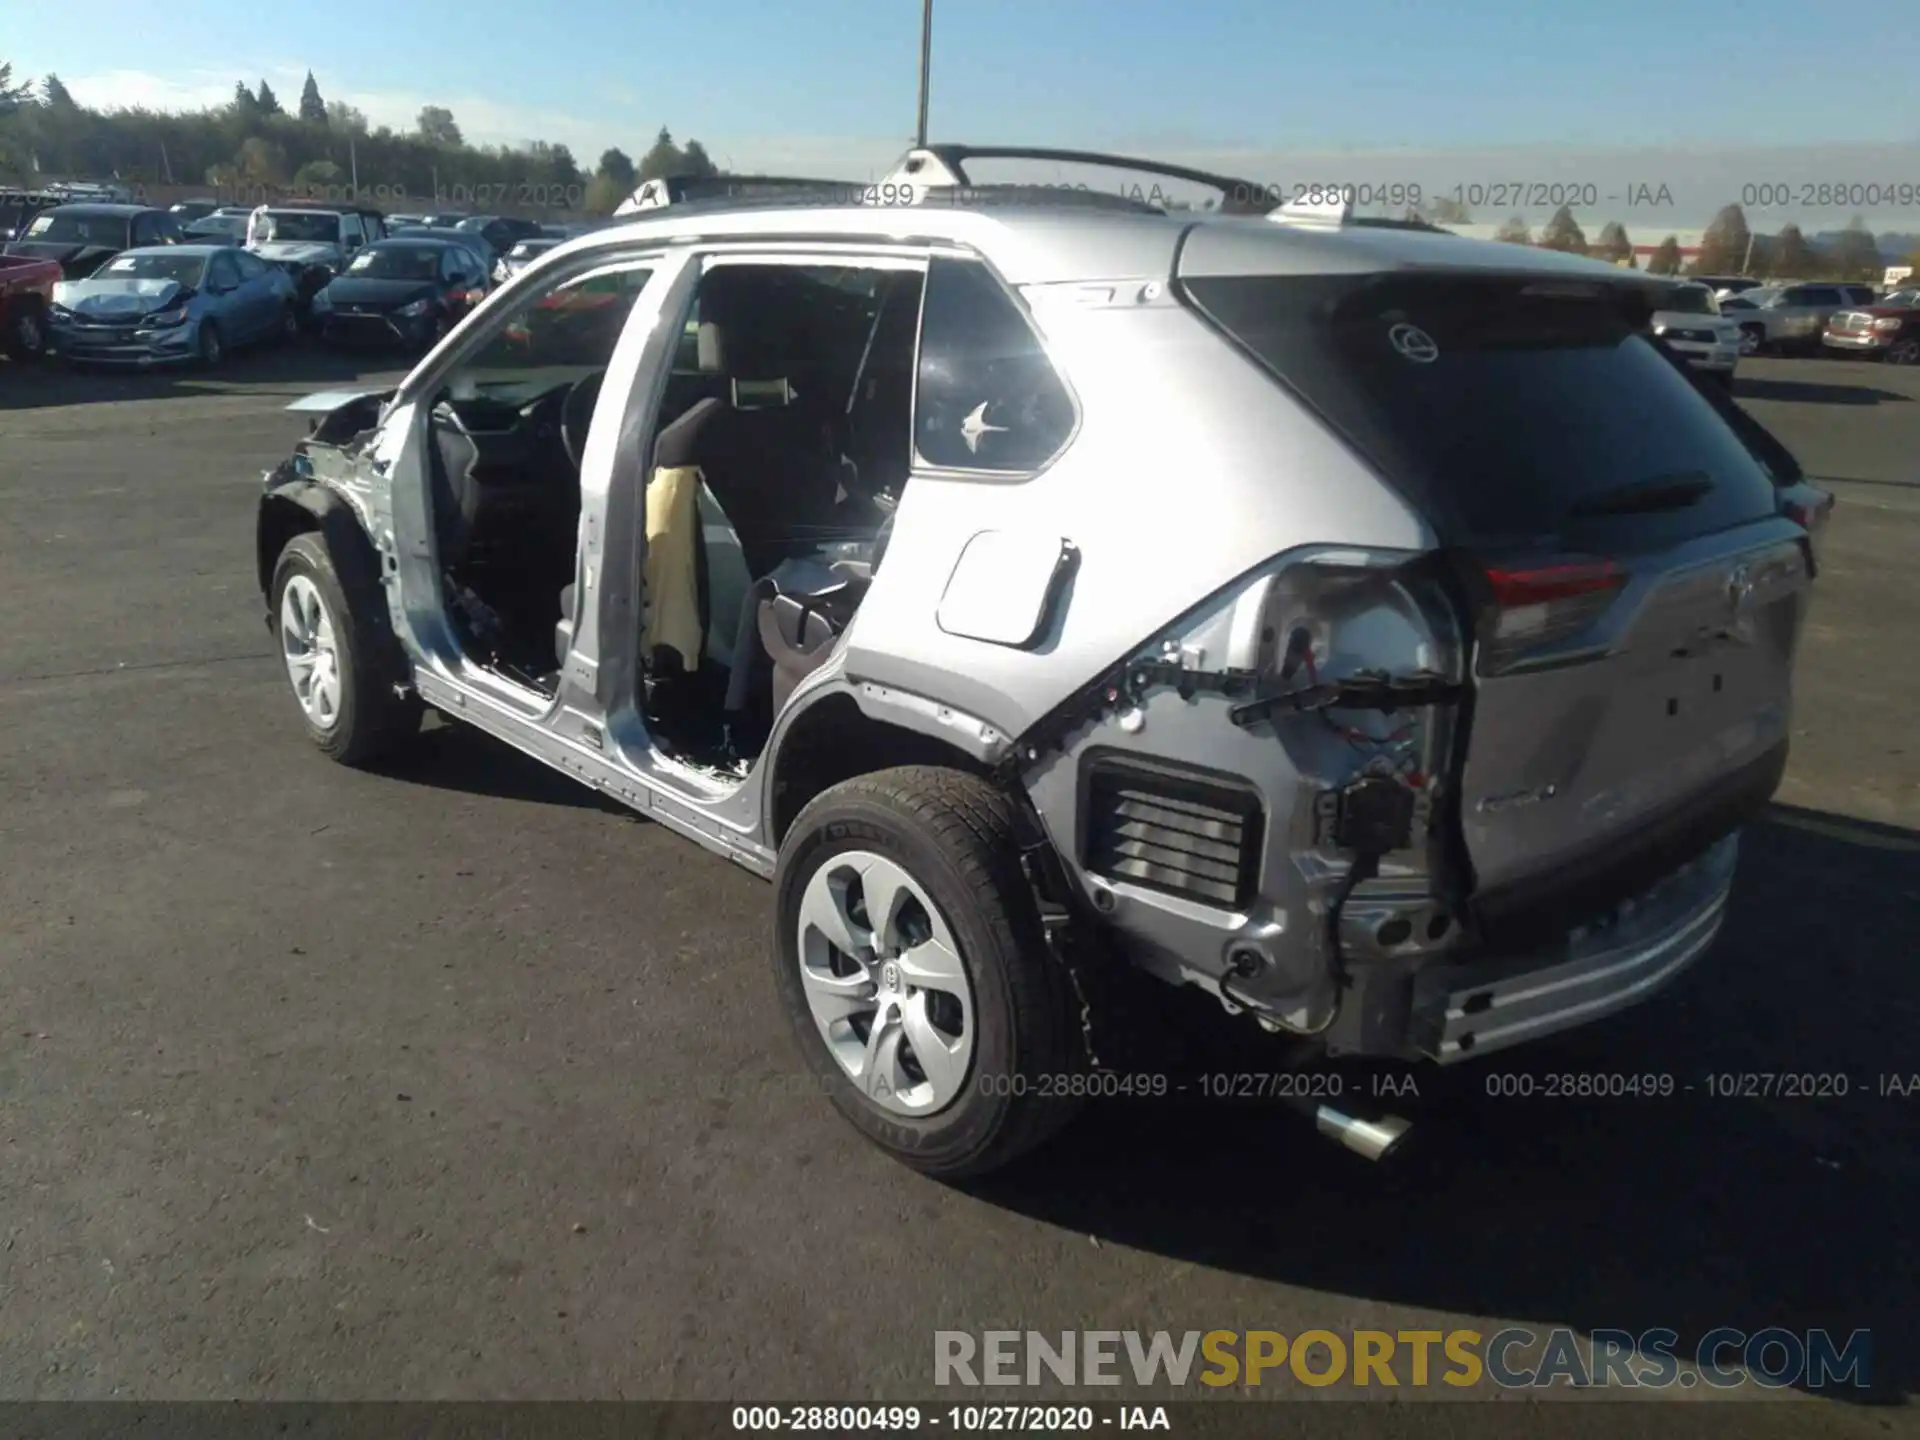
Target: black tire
378, 713
210, 345
954, 834
1904, 351
1758, 335
290, 327
26, 337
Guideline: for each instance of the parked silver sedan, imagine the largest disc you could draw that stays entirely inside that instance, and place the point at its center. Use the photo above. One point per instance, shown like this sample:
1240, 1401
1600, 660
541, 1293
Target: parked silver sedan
171, 305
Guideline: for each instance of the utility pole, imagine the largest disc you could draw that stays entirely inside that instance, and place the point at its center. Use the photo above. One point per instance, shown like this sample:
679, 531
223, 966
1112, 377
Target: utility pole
926, 67
1746, 265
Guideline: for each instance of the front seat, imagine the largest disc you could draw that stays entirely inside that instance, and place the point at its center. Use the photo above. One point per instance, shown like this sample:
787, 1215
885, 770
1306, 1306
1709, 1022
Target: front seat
772, 467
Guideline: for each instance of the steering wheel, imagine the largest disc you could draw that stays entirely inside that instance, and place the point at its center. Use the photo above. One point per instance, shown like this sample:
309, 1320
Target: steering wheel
576, 415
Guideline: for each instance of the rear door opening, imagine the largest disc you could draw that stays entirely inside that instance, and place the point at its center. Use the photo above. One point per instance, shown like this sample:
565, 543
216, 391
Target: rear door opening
1631, 588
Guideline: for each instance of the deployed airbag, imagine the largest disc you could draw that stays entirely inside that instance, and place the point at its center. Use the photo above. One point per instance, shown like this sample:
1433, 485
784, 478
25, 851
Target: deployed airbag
672, 579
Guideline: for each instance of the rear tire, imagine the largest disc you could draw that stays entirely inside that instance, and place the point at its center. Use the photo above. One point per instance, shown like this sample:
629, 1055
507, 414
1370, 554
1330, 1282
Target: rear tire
944, 841
26, 337
341, 662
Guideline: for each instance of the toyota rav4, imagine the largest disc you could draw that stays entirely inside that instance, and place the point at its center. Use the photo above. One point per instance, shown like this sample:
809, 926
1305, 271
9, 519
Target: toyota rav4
1376, 629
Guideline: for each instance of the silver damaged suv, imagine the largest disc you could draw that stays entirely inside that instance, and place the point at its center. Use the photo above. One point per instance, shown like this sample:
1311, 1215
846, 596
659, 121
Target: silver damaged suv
1376, 629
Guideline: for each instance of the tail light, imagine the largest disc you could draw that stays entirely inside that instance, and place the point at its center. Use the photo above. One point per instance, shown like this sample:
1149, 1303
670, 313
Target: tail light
1538, 605
1810, 508
1810, 515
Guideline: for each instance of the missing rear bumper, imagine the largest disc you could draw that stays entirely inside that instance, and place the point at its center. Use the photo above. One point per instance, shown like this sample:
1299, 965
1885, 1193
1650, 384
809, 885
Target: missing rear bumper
1460, 1011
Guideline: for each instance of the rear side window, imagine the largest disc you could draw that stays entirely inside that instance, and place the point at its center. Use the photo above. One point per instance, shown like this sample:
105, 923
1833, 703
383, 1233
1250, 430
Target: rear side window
987, 398
1509, 412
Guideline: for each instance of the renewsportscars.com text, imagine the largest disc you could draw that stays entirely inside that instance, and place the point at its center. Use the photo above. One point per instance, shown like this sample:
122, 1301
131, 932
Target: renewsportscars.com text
1514, 1358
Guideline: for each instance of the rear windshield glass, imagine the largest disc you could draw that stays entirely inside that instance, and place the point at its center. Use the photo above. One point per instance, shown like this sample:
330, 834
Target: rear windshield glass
66, 227
1508, 416
1690, 300
298, 225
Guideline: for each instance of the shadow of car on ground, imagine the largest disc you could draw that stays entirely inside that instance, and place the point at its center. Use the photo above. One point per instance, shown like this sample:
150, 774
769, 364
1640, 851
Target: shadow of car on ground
47, 384
1691, 1212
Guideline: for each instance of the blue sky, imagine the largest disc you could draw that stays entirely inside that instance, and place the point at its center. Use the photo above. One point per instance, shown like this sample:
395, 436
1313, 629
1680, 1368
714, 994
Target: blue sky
797, 85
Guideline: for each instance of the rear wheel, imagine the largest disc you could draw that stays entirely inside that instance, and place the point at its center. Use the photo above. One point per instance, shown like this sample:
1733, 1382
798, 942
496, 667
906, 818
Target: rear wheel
349, 687
910, 960
26, 337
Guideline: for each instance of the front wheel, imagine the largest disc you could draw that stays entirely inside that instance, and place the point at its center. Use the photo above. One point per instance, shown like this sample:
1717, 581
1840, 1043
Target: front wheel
210, 345
351, 693
1905, 351
1753, 339
910, 961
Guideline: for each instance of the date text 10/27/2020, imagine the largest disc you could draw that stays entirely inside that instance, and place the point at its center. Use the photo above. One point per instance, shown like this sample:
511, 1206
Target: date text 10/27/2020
528, 195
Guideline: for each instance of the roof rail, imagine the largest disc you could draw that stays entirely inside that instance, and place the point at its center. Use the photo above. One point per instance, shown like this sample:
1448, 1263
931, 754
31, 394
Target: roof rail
945, 167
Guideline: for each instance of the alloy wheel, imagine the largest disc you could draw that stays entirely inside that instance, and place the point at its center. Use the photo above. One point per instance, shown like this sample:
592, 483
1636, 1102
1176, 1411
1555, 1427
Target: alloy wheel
884, 980
308, 648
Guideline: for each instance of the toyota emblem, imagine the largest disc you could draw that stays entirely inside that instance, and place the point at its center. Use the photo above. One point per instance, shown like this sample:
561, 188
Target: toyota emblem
1414, 343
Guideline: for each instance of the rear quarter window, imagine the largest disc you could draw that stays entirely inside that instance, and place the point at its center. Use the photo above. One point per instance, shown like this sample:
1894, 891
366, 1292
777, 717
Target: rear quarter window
1499, 410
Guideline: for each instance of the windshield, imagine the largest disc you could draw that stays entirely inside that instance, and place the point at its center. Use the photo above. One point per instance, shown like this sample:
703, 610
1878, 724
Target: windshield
72, 229
397, 262
1497, 411
298, 225
1903, 300
1691, 300
154, 265
1763, 295
528, 248
219, 225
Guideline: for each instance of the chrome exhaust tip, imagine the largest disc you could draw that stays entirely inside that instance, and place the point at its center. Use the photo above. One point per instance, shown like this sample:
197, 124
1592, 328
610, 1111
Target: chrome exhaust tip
1371, 1139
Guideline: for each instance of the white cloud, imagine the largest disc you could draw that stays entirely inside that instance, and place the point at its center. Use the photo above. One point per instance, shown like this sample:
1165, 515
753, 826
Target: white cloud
191, 90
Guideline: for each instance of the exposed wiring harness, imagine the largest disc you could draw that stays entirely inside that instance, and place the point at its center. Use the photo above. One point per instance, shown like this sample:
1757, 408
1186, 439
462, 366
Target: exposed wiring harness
1299, 656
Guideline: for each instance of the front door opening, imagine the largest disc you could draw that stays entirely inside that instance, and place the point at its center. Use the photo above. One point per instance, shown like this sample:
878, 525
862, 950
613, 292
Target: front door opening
509, 428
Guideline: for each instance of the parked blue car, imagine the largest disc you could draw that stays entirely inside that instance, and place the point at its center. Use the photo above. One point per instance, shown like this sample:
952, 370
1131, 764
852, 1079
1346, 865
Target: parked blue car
172, 304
